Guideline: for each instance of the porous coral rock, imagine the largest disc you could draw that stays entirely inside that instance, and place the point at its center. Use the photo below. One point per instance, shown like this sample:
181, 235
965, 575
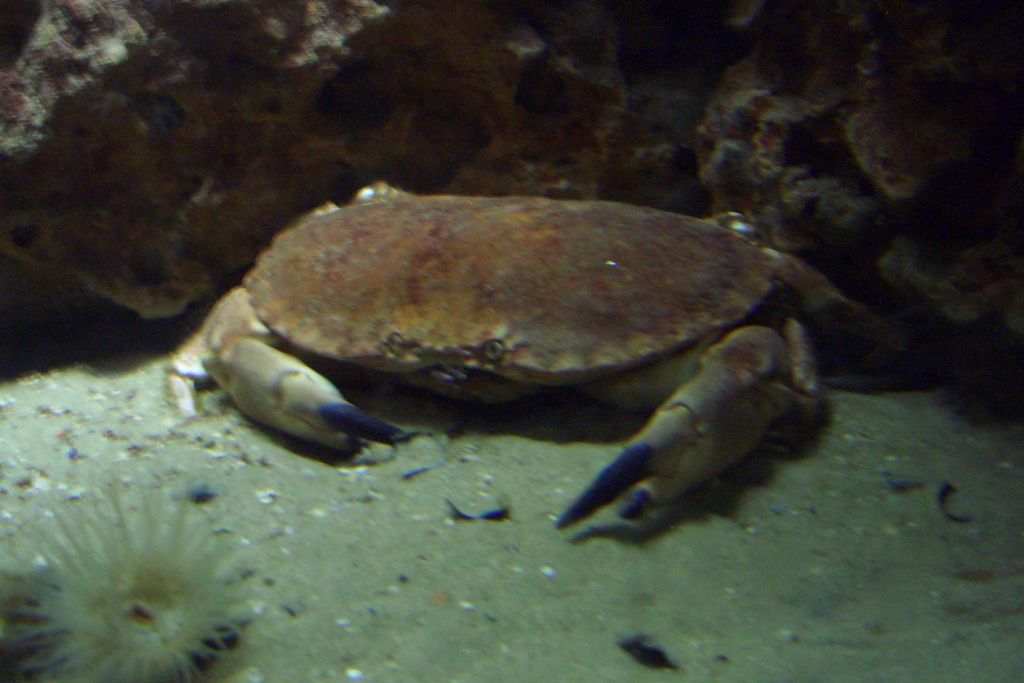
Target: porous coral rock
148, 147
852, 91
857, 121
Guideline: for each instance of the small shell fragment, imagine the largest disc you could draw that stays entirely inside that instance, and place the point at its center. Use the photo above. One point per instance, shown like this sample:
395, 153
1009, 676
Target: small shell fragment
266, 496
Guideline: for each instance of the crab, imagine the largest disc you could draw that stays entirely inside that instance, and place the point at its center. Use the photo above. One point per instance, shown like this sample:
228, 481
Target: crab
491, 299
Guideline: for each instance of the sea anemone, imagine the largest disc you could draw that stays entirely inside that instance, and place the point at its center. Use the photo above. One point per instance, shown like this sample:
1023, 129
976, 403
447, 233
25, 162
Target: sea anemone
130, 594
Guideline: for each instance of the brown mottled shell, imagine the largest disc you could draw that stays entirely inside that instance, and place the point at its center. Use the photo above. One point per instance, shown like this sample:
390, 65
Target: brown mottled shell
534, 289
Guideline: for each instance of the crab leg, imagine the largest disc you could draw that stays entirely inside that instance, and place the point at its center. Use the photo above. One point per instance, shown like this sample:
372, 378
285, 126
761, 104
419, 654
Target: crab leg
743, 384
822, 301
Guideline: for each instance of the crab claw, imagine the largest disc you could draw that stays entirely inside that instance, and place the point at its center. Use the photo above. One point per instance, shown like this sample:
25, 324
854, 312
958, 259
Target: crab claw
742, 385
629, 469
274, 387
281, 391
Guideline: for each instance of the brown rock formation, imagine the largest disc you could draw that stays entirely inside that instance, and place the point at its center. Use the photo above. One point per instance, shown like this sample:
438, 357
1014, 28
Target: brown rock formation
852, 122
147, 145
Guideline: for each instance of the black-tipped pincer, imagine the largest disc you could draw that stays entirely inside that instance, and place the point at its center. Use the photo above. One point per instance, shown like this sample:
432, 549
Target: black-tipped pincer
630, 468
345, 417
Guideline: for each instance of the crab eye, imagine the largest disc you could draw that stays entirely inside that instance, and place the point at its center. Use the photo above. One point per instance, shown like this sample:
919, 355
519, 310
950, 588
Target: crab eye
493, 350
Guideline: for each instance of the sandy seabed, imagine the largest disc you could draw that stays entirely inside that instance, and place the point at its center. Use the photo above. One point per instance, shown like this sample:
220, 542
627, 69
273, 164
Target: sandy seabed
835, 565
